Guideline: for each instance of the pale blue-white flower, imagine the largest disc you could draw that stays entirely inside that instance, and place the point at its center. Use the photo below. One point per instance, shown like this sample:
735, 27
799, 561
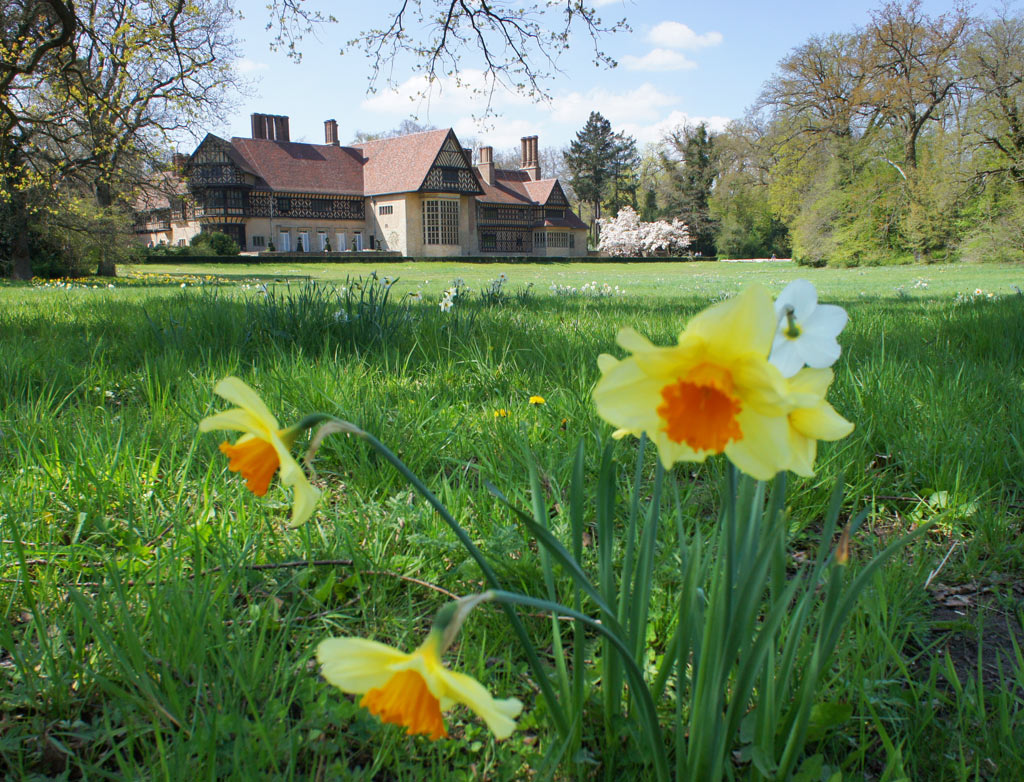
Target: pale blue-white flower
807, 331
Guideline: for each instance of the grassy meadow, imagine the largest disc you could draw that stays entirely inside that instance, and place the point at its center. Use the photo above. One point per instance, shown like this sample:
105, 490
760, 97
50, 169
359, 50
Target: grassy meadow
160, 621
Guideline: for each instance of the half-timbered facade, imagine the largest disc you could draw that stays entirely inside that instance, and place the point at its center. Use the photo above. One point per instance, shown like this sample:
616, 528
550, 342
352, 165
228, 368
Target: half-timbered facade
419, 195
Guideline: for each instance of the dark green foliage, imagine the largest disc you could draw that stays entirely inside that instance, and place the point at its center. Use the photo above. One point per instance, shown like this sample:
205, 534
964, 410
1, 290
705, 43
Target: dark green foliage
590, 159
690, 170
215, 243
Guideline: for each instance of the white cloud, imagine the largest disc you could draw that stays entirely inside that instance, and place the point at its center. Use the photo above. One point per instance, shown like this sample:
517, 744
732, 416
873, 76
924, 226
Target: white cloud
656, 131
676, 35
658, 60
245, 65
426, 99
645, 102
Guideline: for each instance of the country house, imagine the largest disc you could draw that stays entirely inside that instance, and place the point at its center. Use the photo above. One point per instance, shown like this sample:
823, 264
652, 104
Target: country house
419, 195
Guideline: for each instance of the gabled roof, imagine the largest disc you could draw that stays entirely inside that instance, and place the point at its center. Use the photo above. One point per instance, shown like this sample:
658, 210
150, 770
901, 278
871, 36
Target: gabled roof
540, 190
399, 164
289, 166
508, 188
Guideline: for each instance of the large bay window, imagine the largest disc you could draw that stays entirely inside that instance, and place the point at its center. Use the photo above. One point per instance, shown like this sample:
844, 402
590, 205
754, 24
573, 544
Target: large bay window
441, 221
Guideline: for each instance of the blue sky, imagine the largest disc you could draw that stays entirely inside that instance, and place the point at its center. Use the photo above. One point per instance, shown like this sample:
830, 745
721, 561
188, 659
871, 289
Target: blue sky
696, 61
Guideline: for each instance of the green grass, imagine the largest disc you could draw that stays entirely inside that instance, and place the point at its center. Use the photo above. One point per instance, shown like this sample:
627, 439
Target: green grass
139, 640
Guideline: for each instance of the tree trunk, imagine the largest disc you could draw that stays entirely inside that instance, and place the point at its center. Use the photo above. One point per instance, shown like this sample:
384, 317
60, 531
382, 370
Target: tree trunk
104, 198
21, 254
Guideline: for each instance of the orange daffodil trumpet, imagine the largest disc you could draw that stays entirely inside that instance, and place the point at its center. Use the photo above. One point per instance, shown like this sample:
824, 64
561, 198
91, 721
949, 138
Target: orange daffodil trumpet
716, 392
263, 448
413, 689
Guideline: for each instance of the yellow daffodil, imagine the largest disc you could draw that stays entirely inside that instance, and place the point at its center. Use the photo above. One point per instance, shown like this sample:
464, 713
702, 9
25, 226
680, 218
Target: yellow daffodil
263, 448
411, 690
812, 418
536, 400
713, 392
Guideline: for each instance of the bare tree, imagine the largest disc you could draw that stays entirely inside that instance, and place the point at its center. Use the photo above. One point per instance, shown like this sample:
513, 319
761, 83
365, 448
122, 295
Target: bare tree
514, 43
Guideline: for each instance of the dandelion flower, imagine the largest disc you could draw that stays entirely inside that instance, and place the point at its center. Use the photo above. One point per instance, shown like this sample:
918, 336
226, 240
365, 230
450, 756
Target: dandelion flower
501, 412
536, 400
712, 392
411, 690
806, 331
262, 449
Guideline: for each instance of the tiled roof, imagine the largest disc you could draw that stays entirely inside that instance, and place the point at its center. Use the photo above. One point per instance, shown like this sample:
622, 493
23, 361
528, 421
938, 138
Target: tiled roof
571, 221
540, 190
399, 164
508, 188
288, 166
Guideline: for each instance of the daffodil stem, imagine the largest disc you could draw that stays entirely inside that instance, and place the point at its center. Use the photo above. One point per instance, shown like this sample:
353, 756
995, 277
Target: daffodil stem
640, 690
492, 578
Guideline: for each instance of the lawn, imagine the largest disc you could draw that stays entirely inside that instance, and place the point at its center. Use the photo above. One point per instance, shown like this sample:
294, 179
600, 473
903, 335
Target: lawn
160, 621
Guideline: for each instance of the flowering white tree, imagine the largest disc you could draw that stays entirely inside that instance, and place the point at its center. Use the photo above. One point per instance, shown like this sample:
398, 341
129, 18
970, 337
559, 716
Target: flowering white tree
626, 235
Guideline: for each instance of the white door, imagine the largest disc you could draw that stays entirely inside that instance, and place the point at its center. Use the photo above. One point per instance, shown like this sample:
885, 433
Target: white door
284, 243
340, 241
304, 239
358, 242
322, 240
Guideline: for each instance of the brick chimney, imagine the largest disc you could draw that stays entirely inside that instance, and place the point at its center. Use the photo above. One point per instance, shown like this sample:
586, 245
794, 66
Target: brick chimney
270, 126
486, 164
178, 162
331, 132
530, 158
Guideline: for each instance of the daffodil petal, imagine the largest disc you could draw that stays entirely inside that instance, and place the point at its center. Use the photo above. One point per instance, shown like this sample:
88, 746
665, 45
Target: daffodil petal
817, 351
605, 362
238, 393
764, 449
801, 295
499, 715
634, 341
237, 420
357, 665
827, 319
786, 355
738, 326
821, 422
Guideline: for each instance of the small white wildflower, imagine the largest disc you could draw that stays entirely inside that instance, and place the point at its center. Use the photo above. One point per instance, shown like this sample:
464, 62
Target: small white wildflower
446, 305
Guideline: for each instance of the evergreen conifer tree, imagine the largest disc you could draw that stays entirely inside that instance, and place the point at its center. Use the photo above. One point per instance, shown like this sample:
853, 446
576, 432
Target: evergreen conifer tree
590, 163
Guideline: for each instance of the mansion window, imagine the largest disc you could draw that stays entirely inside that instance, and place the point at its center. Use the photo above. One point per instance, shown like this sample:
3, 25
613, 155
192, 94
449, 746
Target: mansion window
284, 205
563, 239
489, 213
259, 241
488, 241
441, 221
450, 176
385, 210
234, 202
556, 213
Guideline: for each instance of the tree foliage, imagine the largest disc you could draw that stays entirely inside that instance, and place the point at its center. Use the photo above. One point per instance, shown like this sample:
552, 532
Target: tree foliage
691, 166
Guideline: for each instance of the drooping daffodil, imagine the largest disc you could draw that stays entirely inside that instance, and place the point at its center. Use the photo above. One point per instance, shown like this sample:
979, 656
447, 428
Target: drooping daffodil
807, 331
413, 689
263, 447
713, 392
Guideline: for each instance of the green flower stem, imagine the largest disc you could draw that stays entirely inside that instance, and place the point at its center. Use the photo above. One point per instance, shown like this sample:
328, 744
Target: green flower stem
648, 712
539, 673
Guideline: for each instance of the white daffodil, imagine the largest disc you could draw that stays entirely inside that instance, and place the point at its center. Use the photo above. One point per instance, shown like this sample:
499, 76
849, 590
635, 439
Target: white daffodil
807, 331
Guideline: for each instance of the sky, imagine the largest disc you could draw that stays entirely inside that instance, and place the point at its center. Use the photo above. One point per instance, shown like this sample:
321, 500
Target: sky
680, 62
